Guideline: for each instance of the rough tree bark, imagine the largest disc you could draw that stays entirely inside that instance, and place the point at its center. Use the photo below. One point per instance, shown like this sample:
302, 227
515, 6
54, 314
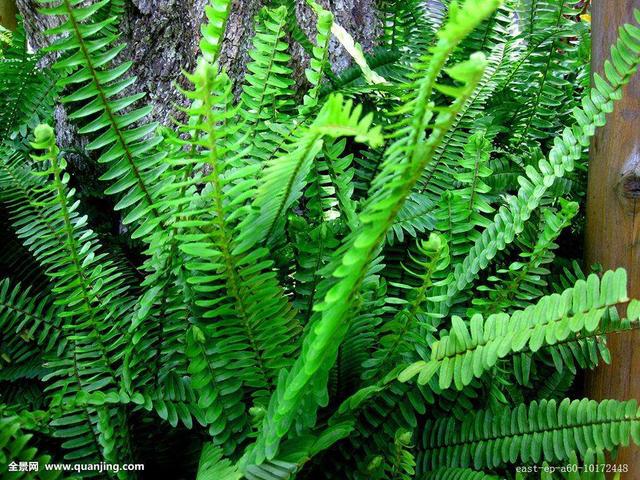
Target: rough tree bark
163, 35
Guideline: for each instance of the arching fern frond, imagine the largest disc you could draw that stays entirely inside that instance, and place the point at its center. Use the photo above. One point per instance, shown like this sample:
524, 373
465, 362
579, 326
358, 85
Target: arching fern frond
470, 351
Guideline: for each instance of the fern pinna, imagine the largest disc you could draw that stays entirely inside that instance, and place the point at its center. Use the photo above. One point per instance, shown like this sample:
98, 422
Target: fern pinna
368, 280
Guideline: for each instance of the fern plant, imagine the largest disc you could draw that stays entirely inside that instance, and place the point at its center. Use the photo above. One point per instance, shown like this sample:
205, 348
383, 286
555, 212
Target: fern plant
369, 280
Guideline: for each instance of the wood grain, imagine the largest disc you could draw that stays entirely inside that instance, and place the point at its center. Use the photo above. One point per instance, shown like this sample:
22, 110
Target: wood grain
613, 213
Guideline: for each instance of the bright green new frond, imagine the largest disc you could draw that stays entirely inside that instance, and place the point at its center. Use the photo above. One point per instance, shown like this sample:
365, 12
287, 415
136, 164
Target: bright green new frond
93, 298
319, 62
217, 13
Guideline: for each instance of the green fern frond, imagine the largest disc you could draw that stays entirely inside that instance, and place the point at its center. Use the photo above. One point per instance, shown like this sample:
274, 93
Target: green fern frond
30, 324
524, 280
88, 52
217, 13
470, 351
266, 92
27, 91
528, 433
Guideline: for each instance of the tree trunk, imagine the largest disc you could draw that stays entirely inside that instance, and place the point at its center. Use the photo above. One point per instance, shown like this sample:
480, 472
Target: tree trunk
163, 36
8, 14
613, 213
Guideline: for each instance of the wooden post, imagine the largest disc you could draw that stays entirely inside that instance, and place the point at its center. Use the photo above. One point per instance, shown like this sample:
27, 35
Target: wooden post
613, 213
8, 14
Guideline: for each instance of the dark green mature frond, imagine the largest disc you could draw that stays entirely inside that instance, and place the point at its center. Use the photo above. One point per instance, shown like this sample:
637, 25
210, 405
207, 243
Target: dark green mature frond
530, 433
439, 175
542, 74
405, 26
399, 333
524, 279
30, 325
463, 212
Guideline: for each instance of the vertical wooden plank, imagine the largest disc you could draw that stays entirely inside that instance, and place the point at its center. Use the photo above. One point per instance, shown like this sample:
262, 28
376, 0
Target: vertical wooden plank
613, 213
8, 14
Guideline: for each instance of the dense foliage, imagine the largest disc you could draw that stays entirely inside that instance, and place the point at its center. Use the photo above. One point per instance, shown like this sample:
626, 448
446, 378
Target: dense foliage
370, 276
